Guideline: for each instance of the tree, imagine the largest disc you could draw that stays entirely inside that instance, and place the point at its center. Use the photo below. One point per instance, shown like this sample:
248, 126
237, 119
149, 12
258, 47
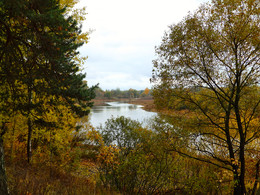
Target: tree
38, 44
78, 14
210, 61
146, 91
3, 179
121, 131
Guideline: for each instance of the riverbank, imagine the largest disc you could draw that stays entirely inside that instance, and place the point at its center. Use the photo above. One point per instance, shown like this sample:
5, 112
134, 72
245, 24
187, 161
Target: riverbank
147, 103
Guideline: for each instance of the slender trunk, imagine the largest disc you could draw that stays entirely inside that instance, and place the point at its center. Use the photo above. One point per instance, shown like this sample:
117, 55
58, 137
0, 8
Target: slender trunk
237, 186
3, 179
12, 143
236, 179
29, 124
256, 178
241, 150
29, 141
228, 138
242, 167
241, 179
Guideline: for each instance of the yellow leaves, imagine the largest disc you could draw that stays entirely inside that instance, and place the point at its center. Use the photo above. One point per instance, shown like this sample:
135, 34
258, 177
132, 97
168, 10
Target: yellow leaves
83, 37
77, 13
95, 136
234, 161
146, 92
68, 3
108, 155
47, 140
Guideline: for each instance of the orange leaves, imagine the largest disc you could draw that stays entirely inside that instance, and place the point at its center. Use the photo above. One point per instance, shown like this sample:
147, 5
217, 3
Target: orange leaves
146, 91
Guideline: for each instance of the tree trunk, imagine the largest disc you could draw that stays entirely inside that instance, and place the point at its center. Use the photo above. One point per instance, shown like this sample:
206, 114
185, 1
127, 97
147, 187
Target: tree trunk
29, 140
241, 180
237, 186
254, 192
3, 179
242, 172
29, 124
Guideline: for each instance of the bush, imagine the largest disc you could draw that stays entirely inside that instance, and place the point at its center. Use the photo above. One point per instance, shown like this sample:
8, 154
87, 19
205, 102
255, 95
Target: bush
135, 160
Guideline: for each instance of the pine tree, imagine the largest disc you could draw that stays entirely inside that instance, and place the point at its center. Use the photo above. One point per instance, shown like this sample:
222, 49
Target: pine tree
37, 51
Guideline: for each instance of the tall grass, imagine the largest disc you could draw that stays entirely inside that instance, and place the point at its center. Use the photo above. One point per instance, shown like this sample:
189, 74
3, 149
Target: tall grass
24, 179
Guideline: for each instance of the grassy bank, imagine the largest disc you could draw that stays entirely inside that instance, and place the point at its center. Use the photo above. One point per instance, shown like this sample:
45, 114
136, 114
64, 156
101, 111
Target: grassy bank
147, 103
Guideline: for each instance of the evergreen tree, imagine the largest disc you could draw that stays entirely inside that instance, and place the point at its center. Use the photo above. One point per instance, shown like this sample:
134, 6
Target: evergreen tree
37, 51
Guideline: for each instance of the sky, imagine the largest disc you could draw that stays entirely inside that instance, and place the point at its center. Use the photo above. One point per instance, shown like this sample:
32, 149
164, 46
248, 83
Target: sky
124, 34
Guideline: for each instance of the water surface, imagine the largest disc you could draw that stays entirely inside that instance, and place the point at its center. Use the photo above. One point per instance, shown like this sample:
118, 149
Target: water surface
99, 114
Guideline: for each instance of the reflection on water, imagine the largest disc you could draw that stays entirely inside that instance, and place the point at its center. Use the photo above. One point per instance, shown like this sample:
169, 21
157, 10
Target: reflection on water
99, 114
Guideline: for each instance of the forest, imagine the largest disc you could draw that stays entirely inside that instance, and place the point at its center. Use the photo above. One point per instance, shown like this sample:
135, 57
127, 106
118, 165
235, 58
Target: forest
205, 78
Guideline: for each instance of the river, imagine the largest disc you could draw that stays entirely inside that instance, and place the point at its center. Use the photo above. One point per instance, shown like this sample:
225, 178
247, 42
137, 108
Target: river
99, 114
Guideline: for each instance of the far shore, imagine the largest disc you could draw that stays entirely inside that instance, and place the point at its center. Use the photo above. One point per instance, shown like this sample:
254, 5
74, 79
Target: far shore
147, 103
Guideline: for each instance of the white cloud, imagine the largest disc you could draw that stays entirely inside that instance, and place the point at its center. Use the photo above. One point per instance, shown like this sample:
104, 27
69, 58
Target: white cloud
120, 80
121, 48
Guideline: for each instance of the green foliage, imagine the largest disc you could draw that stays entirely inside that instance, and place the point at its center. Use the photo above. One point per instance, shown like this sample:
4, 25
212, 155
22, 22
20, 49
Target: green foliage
38, 57
122, 132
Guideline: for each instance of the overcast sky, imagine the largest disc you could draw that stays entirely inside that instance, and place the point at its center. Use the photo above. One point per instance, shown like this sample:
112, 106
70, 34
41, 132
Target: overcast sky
121, 47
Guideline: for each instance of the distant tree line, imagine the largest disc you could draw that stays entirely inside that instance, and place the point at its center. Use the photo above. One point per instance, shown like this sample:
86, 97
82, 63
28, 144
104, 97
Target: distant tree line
118, 94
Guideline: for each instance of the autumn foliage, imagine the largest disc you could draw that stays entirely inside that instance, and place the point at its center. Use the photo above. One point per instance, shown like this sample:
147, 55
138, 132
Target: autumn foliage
205, 139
